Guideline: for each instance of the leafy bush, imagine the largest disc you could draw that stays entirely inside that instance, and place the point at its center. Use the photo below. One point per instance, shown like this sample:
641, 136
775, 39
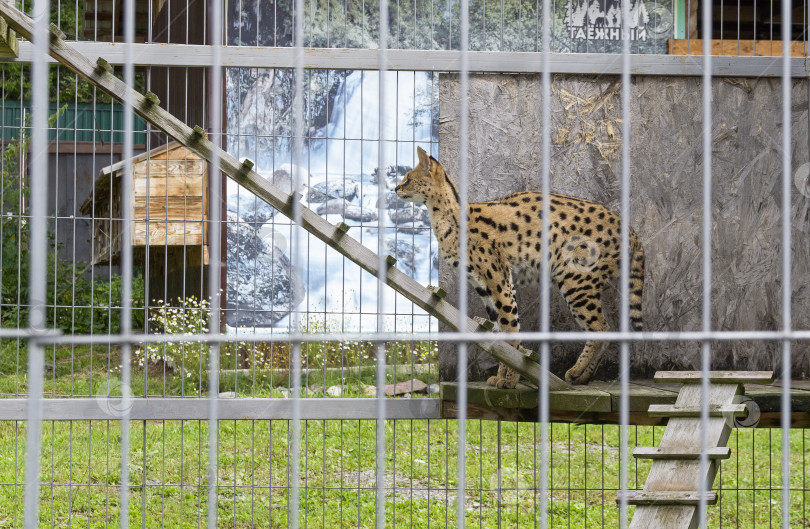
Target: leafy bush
95, 306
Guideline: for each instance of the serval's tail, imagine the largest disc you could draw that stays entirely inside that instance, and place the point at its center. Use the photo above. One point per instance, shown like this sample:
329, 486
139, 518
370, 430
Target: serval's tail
636, 281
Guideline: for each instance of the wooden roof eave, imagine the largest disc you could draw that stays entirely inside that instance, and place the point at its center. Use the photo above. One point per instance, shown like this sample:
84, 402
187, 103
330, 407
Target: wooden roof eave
106, 174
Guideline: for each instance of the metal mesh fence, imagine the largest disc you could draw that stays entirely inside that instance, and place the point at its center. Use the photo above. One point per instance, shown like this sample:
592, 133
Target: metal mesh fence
177, 352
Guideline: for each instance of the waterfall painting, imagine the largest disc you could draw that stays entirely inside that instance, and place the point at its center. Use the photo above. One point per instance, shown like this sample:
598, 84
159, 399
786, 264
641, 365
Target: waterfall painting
339, 176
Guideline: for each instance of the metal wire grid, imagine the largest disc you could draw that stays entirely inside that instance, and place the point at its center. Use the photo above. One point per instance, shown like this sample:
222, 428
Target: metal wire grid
338, 475
558, 495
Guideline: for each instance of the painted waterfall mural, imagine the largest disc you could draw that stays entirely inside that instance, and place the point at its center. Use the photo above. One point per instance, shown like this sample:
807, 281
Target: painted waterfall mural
338, 178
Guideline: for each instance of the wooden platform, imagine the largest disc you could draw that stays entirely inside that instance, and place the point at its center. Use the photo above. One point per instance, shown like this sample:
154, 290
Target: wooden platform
598, 402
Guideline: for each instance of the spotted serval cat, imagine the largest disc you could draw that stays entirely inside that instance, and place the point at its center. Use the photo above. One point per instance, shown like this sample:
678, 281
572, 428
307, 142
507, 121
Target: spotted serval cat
504, 249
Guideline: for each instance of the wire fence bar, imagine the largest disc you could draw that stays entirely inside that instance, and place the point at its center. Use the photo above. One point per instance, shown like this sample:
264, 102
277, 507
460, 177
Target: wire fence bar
215, 315
37, 281
463, 254
787, 255
483, 336
382, 265
200, 56
126, 261
545, 268
624, 272
297, 255
706, 268
297, 422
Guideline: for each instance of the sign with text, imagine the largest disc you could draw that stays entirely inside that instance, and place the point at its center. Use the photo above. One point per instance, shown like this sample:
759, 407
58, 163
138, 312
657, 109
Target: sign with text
595, 26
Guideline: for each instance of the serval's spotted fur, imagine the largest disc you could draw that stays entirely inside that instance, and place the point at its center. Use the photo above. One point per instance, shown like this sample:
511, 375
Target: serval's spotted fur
504, 249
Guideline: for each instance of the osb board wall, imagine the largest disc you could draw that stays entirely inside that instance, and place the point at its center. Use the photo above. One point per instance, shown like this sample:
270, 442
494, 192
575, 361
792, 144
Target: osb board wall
666, 201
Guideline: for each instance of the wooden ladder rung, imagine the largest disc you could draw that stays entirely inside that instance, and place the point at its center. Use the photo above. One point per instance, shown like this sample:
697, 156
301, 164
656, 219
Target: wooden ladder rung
661, 452
715, 410
715, 377
640, 497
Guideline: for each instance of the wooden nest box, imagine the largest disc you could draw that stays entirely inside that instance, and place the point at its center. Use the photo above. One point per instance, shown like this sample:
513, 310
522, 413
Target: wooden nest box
169, 207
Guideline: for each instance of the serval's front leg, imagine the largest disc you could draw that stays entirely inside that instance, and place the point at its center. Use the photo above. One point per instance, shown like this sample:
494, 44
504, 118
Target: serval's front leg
499, 298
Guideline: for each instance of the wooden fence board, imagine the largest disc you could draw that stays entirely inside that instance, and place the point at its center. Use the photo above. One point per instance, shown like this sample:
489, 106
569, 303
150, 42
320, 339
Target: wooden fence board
741, 48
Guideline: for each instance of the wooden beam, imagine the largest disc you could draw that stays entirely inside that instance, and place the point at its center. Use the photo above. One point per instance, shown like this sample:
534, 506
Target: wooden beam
9, 45
718, 377
739, 48
715, 410
276, 197
598, 402
662, 452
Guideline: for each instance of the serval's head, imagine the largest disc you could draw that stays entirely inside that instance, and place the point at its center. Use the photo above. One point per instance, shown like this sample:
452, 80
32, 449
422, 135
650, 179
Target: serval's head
422, 182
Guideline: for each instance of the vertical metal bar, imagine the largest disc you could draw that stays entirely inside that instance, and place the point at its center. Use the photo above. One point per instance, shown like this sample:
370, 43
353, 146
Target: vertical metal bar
463, 191
126, 266
382, 266
38, 255
215, 255
295, 254
624, 272
787, 325
545, 270
706, 311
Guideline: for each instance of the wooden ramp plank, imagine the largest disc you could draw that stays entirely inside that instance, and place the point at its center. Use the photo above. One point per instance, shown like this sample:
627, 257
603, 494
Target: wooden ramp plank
640, 497
276, 197
714, 410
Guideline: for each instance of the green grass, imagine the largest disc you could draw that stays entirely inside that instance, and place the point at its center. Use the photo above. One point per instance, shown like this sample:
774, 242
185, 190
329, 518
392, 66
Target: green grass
168, 462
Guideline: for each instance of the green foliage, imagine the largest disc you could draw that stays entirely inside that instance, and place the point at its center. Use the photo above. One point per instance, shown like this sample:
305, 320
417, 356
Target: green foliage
94, 306
76, 304
64, 85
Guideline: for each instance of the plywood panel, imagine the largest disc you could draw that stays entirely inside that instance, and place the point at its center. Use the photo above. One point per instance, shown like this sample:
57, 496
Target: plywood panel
160, 187
175, 167
171, 208
168, 233
666, 202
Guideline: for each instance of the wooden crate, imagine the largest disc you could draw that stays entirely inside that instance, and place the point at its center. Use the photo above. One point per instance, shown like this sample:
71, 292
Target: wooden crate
169, 205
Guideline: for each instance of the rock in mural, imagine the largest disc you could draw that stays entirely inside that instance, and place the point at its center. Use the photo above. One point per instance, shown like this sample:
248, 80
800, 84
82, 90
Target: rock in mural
405, 252
417, 215
251, 210
330, 190
260, 277
348, 210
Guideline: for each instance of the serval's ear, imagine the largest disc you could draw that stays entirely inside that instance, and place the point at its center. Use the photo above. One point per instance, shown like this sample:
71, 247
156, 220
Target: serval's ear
424, 159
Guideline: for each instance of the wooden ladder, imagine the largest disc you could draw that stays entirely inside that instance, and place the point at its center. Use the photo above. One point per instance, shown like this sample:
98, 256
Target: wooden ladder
147, 106
670, 498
